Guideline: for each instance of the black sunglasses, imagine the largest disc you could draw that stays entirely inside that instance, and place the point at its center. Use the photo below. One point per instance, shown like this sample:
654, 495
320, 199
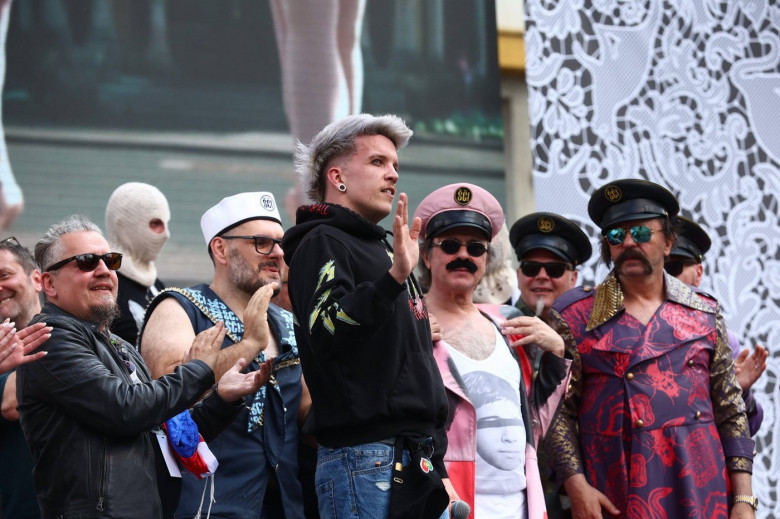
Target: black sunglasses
452, 246
89, 262
554, 269
263, 244
675, 267
639, 233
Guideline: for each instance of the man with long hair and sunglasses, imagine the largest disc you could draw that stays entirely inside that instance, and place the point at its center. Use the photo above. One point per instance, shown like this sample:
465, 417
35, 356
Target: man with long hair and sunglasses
257, 452
654, 418
90, 410
498, 410
685, 263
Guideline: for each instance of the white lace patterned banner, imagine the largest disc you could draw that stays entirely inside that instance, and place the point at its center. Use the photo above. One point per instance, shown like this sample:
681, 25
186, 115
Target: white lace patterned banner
686, 94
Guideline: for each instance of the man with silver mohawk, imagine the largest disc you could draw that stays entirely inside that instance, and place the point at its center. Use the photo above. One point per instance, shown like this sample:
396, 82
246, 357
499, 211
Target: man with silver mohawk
378, 401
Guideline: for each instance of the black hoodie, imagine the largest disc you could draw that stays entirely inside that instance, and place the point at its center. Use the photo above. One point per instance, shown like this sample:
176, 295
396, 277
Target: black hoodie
364, 340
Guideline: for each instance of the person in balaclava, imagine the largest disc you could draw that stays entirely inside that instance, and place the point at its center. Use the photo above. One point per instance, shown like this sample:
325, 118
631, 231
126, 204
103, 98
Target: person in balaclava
137, 216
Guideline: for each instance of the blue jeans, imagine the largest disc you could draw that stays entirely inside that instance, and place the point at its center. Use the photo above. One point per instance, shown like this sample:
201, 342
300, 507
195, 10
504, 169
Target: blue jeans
354, 482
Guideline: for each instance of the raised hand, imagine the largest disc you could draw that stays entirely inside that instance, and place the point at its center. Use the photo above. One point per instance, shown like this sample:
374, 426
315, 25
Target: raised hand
405, 249
749, 369
256, 332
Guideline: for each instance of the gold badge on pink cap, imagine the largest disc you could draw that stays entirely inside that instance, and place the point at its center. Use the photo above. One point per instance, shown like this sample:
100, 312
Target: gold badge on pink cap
463, 195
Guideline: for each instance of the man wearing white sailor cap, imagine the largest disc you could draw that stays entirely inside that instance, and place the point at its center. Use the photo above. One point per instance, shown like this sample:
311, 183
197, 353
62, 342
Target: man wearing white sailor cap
243, 234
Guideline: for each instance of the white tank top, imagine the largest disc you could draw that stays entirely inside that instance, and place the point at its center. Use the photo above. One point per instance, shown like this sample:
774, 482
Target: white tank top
493, 387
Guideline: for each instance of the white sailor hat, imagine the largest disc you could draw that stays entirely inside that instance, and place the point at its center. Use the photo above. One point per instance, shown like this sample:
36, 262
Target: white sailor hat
237, 209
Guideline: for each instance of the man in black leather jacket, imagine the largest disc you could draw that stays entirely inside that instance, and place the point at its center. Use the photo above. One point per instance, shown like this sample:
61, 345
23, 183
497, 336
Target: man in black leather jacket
88, 408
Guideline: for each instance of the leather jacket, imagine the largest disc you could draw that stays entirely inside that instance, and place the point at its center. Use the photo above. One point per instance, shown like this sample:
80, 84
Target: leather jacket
88, 424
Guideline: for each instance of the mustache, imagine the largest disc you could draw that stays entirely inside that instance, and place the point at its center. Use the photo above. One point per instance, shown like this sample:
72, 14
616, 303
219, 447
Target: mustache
460, 263
633, 254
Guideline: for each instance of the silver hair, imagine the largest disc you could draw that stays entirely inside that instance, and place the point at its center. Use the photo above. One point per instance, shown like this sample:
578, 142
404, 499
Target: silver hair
49, 248
338, 139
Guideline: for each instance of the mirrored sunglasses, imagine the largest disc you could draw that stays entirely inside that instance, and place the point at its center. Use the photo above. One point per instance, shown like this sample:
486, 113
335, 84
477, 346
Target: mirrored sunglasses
452, 246
639, 233
554, 269
89, 262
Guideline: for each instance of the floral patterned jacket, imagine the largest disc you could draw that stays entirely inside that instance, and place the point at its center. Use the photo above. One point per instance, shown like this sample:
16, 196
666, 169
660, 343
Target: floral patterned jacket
654, 417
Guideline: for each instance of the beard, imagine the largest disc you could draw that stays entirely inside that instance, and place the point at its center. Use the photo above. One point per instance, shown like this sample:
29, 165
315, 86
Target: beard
633, 254
105, 313
248, 279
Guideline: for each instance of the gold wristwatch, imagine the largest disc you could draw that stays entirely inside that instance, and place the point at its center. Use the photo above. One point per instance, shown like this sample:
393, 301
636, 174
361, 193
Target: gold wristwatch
751, 500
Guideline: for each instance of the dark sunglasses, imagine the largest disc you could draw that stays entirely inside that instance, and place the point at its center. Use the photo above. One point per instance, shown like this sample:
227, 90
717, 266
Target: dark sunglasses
89, 262
639, 233
554, 269
452, 246
675, 267
263, 244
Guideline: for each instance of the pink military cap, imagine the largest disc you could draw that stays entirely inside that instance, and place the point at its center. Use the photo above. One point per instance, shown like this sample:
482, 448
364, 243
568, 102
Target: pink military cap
460, 205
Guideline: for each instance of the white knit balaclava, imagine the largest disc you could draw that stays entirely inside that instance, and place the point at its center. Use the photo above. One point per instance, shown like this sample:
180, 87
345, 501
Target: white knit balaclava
130, 209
